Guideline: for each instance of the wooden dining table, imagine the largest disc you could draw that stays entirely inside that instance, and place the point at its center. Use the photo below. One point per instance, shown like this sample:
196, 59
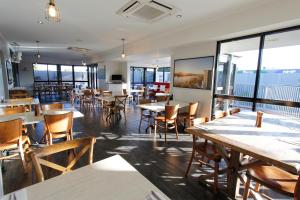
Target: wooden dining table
277, 142
19, 102
112, 178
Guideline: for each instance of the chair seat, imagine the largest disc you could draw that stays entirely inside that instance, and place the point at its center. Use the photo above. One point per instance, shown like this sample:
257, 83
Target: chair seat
208, 150
274, 178
13, 144
162, 118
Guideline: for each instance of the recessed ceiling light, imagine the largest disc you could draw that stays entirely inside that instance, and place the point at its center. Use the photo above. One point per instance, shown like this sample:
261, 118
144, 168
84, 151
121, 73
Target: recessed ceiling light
179, 16
40, 22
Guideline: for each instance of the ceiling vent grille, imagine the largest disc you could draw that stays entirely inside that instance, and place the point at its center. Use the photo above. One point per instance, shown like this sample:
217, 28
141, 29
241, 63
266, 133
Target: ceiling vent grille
146, 10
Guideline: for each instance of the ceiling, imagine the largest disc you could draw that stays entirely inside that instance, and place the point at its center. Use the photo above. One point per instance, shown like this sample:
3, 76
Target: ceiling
94, 24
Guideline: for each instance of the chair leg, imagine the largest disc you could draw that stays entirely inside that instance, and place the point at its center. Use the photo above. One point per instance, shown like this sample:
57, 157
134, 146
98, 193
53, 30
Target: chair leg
190, 163
21, 151
141, 122
247, 187
175, 124
166, 130
216, 181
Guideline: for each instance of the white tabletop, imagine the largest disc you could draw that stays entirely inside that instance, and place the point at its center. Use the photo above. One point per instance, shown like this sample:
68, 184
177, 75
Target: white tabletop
19, 102
110, 179
160, 94
276, 142
160, 106
30, 118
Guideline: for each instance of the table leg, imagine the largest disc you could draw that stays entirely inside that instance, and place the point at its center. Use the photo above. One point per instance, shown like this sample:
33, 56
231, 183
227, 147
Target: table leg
232, 173
1, 180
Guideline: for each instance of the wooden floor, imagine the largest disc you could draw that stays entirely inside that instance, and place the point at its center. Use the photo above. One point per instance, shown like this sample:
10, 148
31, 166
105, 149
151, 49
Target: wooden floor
164, 165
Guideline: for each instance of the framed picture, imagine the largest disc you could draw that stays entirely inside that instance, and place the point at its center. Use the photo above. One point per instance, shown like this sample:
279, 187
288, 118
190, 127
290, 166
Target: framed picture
193, 73
9, 72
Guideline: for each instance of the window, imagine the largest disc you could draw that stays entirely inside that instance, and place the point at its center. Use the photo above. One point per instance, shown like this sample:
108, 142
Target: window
81, 73
259, 72
66, 72
45, 72
150, 75
163, 75
142, 76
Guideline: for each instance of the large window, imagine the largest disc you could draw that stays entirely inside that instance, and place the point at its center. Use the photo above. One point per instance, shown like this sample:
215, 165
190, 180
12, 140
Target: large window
163, 75
259, 72
66, 72
44, 72
142, 76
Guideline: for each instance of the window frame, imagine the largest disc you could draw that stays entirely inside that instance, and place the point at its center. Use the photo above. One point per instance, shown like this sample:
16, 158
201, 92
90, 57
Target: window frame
164, 71
255, 98
144, 82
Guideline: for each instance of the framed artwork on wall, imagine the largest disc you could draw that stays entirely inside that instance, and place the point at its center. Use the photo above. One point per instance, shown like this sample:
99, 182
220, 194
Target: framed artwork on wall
195, 73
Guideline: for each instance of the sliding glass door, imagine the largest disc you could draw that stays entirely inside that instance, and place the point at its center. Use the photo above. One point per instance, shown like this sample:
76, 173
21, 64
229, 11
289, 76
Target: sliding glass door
259, 72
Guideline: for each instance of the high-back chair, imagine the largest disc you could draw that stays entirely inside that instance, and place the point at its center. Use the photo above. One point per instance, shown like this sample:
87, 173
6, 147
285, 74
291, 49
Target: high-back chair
170, 117
38, 160
190, 114
145, 114
120, 103
53, 106
58, 126
11, 138
88, 98
274, 178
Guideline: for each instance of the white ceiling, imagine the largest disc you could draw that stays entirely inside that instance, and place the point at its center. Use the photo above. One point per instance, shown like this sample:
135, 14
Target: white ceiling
94, 24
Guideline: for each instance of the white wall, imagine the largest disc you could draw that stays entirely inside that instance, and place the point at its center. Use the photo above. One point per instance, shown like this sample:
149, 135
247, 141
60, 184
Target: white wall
204, 97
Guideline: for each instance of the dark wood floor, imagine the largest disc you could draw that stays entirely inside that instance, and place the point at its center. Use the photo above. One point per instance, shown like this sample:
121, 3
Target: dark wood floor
164, 165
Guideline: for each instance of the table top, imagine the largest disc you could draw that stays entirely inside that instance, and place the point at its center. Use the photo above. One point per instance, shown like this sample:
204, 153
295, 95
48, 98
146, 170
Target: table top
276, 142
20, 102
160, 106
111, 179
160, 94
136, 90
30, 118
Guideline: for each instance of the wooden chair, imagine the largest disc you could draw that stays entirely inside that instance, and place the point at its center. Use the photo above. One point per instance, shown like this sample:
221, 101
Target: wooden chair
58, 126
208, 152
145, 114
190, 114
234, 111
117, 106
84, 144
130, 96
170, 117
273, 178
53, 106
161, 98
11, 138
15, 94
88, 98
13, 110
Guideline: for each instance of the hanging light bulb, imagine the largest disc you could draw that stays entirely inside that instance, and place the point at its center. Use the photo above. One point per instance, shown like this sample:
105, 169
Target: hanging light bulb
123, 51
38, 55
52, 12
84, 60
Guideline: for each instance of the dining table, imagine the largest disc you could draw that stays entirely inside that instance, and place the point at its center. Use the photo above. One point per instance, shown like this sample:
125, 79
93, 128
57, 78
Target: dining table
112, 179
276, 142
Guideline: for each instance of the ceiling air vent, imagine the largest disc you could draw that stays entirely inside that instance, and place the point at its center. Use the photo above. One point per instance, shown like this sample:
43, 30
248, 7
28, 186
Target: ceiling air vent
146, 10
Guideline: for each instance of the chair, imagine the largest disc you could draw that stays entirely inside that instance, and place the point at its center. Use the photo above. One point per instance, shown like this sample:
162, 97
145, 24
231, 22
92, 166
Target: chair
13, 110
84, 144
161, 98
190, 114
169, 118
208, 152
145, 114
273, 178
116, 106
58, 126
88, 98
11, 138
130, 96
234, 111
53, 106
15, 94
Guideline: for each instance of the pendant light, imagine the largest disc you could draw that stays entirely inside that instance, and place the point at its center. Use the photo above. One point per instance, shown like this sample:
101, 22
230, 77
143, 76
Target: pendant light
84, 60
52, 12
123, 51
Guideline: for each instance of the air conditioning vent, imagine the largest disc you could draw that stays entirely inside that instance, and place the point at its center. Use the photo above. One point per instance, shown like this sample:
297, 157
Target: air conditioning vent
146, 10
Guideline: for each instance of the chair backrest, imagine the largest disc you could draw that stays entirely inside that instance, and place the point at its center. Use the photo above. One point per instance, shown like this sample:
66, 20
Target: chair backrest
171, 111
88, 93
37, 156
193, 107
144, 101
161, 98
59, 123
53, 106
297, 190
125, 92
106, 93
120, 100
18, 94
11, 131
234, 110
220, 114
12, 110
